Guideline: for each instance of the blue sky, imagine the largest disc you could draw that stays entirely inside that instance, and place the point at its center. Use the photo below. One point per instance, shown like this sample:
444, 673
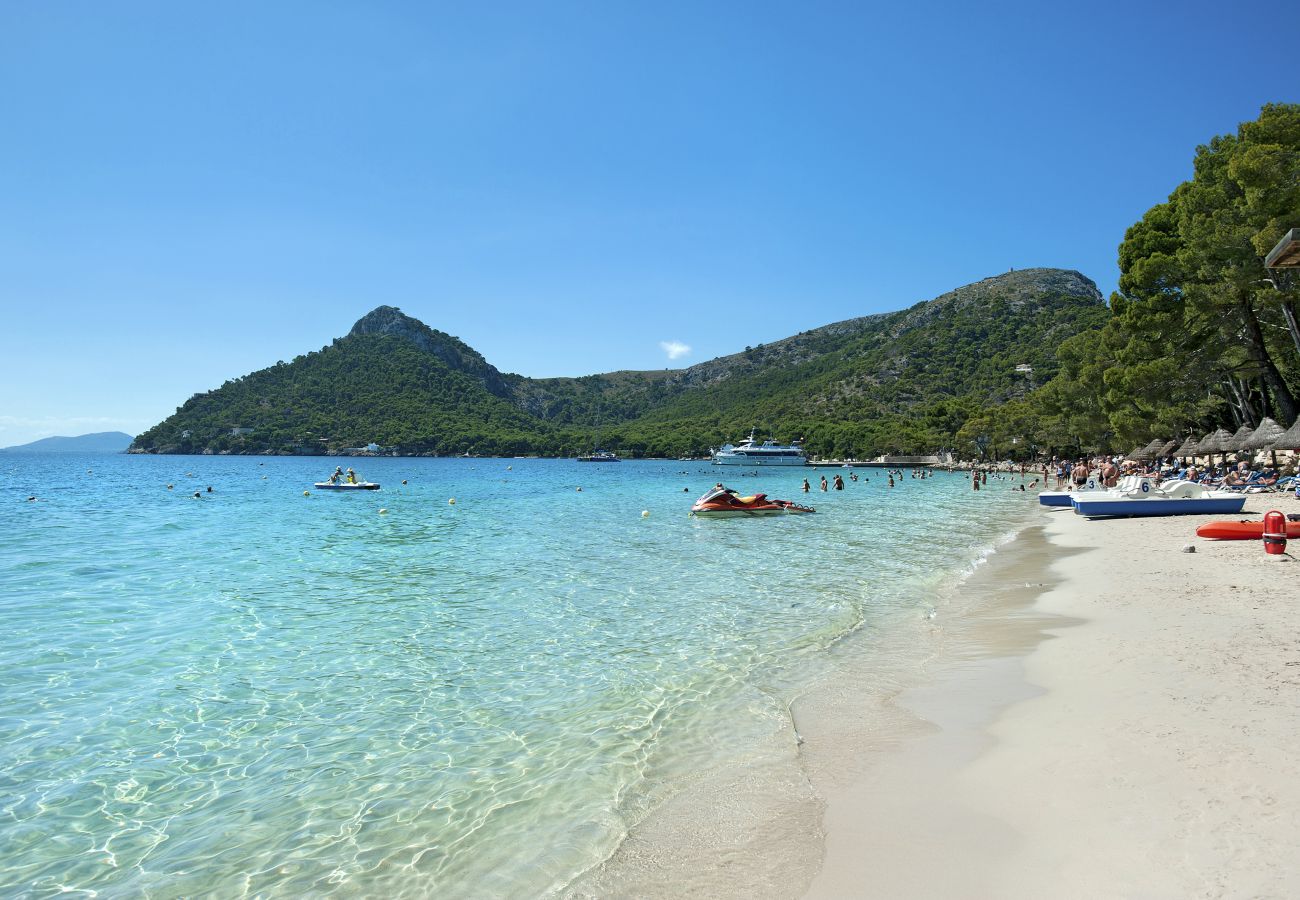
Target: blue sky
191, 192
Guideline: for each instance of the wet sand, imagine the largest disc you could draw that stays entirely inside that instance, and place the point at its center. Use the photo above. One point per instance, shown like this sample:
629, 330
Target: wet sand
1119, 719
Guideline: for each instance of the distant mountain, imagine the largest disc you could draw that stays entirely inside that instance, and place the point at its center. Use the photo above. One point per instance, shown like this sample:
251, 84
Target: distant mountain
896, 381
100, 442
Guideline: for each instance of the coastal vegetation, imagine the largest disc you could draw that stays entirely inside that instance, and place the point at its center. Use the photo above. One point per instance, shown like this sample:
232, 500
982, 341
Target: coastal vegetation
1199, 335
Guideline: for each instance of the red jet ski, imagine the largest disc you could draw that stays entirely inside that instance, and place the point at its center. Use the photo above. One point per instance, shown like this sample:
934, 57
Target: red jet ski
721, 501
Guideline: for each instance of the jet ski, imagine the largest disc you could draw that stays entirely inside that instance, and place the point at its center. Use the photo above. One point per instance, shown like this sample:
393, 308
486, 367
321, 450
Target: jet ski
720, 502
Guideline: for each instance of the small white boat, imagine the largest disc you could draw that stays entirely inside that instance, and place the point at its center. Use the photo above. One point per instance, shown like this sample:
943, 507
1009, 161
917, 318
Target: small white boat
1092, 487
346, 486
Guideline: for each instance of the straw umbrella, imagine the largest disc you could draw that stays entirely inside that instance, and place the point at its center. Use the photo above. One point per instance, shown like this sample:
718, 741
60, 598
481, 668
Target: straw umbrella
1290, 439
1214, 443
1263, 438
1168, 448
1188, 449
1151, 449
1237, 443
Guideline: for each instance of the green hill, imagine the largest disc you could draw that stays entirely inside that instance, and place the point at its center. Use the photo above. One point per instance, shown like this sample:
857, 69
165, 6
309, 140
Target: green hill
902, 381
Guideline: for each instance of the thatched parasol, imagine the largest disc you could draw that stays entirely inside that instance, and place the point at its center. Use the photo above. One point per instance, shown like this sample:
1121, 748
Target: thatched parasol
1263, 436
1151, 449
1135, 453
1290, 439
1188, 449
1168, 448
1216, 442
1237, 442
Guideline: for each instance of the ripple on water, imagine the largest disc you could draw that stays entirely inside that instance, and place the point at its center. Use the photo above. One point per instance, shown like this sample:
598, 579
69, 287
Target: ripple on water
263, 693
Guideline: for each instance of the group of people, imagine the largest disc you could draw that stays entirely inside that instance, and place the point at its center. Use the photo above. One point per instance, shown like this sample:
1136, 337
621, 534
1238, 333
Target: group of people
837, 483
1106, 471
350, 478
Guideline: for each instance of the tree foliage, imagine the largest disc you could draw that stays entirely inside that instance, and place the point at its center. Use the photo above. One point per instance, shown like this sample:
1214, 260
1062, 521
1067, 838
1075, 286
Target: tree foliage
1198, 337
905, 381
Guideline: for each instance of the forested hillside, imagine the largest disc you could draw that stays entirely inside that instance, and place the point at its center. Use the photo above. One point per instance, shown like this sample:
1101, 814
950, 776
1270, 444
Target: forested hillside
903, 381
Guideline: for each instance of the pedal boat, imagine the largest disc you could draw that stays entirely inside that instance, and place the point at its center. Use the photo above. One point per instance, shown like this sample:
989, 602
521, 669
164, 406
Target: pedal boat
345, 486
1173, 498
1062, 498
723, 502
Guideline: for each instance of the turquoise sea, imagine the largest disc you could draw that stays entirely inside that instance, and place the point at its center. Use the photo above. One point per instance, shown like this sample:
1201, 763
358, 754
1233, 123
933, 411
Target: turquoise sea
261, 693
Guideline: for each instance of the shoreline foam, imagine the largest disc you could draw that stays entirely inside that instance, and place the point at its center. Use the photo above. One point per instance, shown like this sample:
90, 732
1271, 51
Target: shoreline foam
1147, 747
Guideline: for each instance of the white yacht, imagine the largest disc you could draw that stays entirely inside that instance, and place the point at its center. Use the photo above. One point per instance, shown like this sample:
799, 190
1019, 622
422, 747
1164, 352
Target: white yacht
750, 452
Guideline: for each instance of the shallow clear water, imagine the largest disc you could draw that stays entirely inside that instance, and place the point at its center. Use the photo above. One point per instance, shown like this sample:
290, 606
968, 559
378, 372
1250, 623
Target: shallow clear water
258, 692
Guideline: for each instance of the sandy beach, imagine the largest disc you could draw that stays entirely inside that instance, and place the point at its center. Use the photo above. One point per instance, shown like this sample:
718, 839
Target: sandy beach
1120, 720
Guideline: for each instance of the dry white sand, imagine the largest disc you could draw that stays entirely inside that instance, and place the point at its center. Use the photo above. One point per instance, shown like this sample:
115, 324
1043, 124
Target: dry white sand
1150, 747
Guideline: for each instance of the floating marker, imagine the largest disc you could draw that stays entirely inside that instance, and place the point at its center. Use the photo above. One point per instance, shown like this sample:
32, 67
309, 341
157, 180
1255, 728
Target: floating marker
306, 493
403, 481
452, 501
645, 513
383, 512
169, 487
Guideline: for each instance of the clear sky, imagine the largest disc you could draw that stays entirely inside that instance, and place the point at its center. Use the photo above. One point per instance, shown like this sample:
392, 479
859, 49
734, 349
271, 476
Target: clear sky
190, 192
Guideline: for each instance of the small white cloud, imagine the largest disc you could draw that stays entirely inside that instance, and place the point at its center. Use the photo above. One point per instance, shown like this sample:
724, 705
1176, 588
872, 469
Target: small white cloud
674, 349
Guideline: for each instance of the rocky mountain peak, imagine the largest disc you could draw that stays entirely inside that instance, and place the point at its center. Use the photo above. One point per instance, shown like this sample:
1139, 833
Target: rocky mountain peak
389, 320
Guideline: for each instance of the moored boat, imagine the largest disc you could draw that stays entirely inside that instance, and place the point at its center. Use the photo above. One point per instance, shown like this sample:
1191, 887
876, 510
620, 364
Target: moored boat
750, 452
721, 502
600, 456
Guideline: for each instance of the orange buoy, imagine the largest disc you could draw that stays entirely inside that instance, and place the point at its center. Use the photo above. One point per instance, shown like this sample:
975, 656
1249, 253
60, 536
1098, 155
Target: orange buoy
1274, 532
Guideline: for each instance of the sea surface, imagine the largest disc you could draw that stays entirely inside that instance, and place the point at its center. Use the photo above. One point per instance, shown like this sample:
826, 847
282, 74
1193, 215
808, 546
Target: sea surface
269, 690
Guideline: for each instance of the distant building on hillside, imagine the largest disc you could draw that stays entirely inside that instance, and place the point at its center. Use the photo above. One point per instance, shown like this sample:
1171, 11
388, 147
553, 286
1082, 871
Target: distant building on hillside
1024, 369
